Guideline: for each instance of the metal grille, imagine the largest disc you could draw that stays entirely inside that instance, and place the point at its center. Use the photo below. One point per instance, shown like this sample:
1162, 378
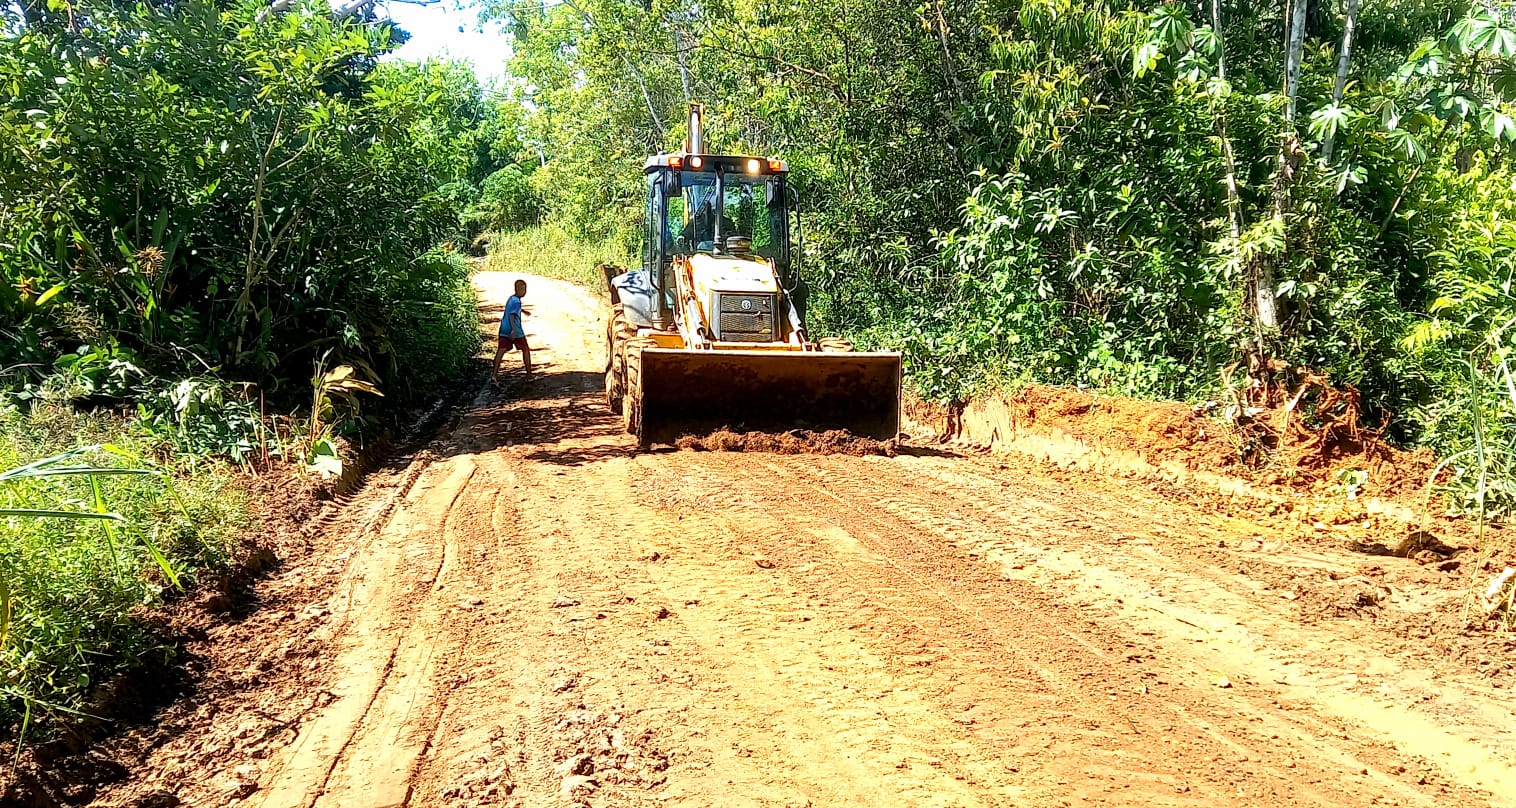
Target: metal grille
745, 318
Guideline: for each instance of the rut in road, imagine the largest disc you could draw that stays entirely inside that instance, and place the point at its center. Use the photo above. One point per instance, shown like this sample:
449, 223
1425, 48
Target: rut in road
535, 614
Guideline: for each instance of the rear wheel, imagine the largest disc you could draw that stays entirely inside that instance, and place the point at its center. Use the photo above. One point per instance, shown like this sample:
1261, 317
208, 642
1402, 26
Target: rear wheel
834, 345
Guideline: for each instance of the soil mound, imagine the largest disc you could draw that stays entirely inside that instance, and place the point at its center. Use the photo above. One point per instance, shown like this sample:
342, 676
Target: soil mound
1273, 447
794, 442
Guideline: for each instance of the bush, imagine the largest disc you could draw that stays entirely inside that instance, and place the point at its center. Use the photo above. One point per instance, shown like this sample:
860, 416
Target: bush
434, 329
72, 589
507, 202
227, 193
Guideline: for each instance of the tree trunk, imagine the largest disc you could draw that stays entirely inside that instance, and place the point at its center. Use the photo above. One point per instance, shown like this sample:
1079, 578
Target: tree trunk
1263, 281
1294, 48
1233, 200
949, 64
1344, 55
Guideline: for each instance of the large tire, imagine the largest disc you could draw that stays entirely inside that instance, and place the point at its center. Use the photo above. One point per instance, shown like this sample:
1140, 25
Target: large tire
617, 332
834, 345
631, 405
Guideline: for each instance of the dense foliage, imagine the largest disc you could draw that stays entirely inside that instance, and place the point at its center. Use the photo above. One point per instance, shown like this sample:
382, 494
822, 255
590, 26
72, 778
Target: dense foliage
201, 187
73, 586
210, 213
1146, 197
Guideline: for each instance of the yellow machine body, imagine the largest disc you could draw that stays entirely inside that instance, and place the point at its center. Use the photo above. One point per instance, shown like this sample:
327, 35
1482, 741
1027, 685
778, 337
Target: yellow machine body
708, 334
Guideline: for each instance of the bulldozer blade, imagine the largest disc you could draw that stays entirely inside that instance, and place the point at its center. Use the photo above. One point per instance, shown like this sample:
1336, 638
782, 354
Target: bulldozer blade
687, 392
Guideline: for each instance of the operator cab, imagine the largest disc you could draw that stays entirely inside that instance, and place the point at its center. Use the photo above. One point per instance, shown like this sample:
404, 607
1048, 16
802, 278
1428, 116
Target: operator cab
718, 205
724, 206
718, 226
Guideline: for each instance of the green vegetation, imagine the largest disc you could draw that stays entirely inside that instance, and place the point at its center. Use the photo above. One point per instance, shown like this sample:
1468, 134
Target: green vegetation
91, 534
190, 188
1153, 198
554, 250
224, 227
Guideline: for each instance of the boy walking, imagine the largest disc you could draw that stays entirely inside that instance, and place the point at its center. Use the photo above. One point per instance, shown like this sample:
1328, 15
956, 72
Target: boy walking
513, 332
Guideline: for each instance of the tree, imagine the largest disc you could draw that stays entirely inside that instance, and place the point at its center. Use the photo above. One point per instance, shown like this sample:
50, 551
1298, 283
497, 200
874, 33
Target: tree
205, 190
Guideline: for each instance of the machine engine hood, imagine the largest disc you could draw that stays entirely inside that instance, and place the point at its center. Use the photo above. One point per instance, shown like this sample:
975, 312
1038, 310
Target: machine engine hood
723, 274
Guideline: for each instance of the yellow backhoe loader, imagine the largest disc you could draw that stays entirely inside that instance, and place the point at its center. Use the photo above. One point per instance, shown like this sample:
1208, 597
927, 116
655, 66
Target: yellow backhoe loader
709, 332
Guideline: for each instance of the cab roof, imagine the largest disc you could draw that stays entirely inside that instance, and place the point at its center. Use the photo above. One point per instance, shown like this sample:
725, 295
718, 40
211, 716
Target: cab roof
732, 162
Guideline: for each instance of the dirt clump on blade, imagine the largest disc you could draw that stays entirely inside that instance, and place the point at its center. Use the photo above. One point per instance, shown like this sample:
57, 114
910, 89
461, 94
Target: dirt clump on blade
793, 442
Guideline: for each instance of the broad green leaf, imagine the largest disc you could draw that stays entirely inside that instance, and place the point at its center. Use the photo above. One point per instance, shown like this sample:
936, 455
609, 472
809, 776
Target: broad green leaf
1145, 58
1497, 125
1328, 121
43, 298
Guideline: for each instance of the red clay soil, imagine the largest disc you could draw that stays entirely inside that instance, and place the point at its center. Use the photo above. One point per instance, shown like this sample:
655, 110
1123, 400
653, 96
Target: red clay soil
1169, 432
532, 612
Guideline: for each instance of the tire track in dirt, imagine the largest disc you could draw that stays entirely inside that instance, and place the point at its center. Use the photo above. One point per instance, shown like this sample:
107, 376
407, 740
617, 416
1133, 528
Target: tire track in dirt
1361, 682
369, 714
998, 651
848, 730
1208, 631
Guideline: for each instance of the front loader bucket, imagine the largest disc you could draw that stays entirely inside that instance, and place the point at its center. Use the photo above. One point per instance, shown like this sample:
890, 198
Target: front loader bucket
687, 392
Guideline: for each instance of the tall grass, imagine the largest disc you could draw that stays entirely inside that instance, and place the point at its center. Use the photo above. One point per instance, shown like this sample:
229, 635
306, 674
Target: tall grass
1482, 484
91, 535
554, 250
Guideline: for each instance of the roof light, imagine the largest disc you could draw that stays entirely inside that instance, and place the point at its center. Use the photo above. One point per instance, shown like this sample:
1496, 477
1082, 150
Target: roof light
754, 166
676, 162
775, 164
697, 161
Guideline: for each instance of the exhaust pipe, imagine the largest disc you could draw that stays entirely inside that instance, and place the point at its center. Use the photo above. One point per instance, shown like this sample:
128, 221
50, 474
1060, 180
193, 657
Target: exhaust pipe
695, 144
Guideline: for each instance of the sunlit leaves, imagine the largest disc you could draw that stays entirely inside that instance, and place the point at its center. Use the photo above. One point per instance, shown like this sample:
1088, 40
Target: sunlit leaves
1456, 105
1349, 175
1484, 34
1425, 62
1497, 125
1171, 32
286, 176
1330, 120
1145, 57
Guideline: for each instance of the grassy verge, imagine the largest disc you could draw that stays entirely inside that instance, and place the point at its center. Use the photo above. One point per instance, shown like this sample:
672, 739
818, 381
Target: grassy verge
553, 250
74, 588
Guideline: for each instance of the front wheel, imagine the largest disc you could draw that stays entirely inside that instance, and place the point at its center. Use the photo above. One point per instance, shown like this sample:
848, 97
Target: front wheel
617, 331
631, 402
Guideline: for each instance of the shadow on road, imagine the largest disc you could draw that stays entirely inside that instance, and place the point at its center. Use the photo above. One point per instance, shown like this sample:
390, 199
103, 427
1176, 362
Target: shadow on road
911, 450
581, 455
562, 413
564, 418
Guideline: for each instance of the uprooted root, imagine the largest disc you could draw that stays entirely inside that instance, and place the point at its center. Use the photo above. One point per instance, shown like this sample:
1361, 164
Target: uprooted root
1297, 417
795, 441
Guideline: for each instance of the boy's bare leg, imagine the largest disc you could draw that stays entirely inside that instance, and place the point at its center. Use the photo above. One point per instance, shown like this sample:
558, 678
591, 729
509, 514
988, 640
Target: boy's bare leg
500, 346
526, 358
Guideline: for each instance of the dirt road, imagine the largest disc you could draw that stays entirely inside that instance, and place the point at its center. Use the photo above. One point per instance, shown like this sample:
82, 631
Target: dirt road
531, 613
